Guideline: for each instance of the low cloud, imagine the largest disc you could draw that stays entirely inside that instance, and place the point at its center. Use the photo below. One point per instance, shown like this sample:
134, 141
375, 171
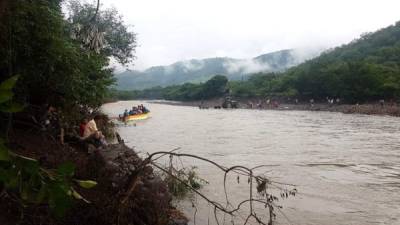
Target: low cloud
246, 66
169, 69
303, 54
193, 65
186, 66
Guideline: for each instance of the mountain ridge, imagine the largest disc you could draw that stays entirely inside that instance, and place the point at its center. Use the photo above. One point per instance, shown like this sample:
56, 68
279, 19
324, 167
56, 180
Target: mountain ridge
200, 70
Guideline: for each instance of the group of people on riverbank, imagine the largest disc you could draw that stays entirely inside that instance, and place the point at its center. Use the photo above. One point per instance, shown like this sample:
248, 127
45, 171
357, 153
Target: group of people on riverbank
333, 104
274, 103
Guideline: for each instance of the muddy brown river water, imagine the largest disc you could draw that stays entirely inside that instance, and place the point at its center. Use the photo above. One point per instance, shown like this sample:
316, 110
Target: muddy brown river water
345, 167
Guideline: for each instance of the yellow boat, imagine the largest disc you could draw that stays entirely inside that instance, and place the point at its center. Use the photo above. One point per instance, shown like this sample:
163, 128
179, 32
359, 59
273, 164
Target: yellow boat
137, 117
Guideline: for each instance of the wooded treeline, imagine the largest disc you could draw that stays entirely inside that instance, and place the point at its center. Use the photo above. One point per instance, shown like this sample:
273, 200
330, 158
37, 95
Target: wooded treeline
62, 60
367, 69
54, 69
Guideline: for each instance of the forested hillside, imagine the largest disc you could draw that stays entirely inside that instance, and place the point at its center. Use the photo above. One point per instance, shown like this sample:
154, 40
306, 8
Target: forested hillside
200, 70
214, 87
366, 69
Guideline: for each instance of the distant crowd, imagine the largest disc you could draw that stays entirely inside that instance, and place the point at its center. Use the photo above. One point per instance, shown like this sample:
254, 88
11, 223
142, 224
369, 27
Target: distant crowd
269, 103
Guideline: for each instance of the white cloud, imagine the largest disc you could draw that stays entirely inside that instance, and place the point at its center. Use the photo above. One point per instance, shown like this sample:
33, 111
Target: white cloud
193, 65
246, 66
186, 66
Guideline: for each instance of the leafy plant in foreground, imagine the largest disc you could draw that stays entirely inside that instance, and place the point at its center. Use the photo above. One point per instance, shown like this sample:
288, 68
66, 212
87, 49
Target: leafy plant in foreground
23, 178
187, 178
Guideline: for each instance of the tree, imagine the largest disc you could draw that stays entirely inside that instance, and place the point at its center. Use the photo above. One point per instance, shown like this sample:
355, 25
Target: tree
101, 31
55, 67
215, 87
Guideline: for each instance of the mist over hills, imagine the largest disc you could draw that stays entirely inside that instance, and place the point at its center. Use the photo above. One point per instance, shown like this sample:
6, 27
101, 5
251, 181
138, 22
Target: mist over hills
200, 70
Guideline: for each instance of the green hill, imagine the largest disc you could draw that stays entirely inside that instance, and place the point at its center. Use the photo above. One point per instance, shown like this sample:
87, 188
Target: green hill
201, 70
368, 68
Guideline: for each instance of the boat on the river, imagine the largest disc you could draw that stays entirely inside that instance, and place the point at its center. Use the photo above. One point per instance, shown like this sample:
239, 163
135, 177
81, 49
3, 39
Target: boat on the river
136, 117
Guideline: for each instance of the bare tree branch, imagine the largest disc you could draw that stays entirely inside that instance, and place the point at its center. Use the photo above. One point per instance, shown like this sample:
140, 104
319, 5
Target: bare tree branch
262, 183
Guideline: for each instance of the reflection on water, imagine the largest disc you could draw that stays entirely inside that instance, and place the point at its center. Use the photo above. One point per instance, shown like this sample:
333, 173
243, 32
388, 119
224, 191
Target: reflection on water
347, 167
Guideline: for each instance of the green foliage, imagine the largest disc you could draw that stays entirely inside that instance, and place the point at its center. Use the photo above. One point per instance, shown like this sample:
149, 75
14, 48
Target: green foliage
6, 95
106, 26
54, 67
188, 181
215, 87
6, 86
36, 185
201, 70
366, 69
59, 70
24, 176
86, 183
184, 92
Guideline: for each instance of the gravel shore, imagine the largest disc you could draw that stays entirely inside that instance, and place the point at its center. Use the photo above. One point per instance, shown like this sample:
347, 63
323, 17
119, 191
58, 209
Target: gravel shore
368, 109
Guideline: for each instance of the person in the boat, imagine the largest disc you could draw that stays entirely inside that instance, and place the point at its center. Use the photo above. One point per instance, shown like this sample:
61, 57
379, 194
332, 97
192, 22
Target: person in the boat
144, 109
139, 109
132, 111
126, 113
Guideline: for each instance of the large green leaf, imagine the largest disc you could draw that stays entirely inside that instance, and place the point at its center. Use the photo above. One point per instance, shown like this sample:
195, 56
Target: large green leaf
11, 107
86, 183
9, 83
78, 196
5, 95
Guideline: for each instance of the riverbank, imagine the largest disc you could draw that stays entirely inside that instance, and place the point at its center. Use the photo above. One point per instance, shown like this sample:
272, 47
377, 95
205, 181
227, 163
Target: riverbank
127, 190
368, 109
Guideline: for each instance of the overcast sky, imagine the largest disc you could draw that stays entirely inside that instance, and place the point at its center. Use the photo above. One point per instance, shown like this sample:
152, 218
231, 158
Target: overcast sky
173, 30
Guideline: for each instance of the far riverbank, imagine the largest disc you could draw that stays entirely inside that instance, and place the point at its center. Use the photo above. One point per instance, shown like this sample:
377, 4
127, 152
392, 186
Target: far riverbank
368, 109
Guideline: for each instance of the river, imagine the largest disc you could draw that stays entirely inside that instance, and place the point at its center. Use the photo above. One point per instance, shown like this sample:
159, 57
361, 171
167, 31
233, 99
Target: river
346, 167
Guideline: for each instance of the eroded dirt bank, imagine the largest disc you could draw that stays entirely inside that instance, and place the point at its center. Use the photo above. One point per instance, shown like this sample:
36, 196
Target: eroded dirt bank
113, 201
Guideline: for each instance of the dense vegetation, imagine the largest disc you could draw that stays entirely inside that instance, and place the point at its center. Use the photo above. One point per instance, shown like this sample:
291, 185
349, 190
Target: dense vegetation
61, 62
366, 69
51, 61
363, 70
201, 70
215, 87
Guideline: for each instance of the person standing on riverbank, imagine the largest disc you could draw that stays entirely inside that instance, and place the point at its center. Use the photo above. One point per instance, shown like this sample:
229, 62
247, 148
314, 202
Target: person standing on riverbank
382, 103
268, 102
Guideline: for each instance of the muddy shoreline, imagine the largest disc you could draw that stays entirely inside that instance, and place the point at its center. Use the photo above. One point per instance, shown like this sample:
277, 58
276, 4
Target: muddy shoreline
116, 168
367, 109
